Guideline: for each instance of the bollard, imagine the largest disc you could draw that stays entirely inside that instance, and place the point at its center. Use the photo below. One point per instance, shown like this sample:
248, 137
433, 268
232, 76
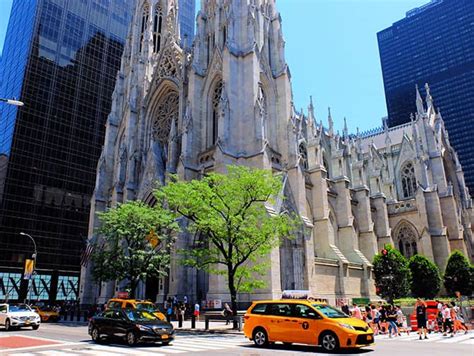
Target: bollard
86, 314
193, 321
180, 321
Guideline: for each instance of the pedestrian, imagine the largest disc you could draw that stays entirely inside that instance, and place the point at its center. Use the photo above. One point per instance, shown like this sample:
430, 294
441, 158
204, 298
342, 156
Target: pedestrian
375, 319
197, 309
356, 313
447, 321
401, 321
345, 309
169, 312
392, 321
227, 313
383, 319
182, 311
458, 320
420, 310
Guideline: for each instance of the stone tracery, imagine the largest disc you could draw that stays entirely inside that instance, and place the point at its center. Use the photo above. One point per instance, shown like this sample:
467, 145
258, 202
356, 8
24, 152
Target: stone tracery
165, 114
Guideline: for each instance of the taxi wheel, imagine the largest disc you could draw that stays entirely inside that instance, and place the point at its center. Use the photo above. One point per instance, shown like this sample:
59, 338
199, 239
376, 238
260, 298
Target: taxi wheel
8, 326
35, 327
260, 337
131, 338
165, 343
329, 341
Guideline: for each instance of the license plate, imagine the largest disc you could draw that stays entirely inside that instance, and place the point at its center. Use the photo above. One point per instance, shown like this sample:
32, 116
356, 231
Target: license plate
369, 337
165, 336
27, 322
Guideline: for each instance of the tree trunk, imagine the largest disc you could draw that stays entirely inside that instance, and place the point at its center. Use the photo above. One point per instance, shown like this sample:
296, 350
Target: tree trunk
233, 295
133, 288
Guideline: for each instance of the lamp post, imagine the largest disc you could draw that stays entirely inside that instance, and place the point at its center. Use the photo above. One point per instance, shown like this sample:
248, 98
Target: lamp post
35, 255
12, 102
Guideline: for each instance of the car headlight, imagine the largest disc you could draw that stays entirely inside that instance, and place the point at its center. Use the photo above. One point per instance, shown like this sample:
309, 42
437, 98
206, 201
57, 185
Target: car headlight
143, 328
347, 326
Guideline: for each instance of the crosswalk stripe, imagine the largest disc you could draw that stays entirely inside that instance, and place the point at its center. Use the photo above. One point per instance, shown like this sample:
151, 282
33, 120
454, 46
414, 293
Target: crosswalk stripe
58, 353
456, 339
206, 343
467, 342
201, 345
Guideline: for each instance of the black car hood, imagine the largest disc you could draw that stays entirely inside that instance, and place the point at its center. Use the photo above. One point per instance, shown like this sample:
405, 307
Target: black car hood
159, 323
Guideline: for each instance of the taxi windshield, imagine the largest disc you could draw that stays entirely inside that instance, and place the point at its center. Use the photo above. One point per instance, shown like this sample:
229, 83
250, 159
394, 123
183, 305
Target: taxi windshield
146, 306
140, 315
329, 311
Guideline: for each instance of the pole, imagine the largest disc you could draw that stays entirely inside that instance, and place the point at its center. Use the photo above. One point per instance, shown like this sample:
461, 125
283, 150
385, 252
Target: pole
35, 255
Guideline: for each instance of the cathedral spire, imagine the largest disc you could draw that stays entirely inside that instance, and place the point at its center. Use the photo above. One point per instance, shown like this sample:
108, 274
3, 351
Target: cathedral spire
345, 131
330, 122
429, 99
419, 102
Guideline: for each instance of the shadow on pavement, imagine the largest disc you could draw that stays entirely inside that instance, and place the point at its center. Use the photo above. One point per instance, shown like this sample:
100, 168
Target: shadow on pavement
309, 349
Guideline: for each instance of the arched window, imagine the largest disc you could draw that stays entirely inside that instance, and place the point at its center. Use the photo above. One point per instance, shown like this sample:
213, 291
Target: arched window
407, 241
408, 180
303, 155
216, 98
144, 24
163, 116
157, 27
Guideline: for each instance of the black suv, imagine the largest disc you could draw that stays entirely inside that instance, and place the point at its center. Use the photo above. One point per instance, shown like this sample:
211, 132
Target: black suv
130, 325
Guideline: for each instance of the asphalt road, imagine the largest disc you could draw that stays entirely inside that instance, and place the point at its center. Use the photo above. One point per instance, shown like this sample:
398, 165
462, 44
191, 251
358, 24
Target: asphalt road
76, 341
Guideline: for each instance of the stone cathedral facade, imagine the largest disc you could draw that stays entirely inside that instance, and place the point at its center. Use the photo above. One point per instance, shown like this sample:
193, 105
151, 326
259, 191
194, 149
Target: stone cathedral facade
228, 100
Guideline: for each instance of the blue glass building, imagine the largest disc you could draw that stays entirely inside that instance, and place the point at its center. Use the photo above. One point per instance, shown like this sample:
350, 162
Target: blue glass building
60, 58
186, 17
434, 44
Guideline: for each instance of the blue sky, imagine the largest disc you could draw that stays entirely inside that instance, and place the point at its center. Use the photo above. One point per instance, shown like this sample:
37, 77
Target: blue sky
331, 48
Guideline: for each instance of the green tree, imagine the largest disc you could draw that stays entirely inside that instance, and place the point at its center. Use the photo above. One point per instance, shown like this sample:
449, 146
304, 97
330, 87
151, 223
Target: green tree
135, 243
425, 278
234, 230
392, 274
459, 274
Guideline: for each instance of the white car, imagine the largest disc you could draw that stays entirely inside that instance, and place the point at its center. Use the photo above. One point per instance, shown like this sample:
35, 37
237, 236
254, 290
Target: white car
18, 315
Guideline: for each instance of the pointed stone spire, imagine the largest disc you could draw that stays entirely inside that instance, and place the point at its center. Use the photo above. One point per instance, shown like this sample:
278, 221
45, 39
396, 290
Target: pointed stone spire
429, 99
388, 141
330, 122
419, 103
345, 132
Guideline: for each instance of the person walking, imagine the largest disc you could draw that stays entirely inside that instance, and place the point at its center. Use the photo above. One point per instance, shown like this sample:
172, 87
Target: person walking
169, 311
447, 321
458, 320
227, 313
420, 310
345, 309
197, 309
356, 313
375, 319
392, 322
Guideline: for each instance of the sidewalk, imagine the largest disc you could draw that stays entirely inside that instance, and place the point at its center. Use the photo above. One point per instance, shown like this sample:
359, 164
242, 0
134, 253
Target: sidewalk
218, 327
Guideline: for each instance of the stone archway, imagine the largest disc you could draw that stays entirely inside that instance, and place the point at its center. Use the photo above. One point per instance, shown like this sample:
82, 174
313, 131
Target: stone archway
405, 238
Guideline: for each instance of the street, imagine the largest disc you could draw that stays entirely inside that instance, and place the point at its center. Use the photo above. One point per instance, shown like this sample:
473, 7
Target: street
72, 339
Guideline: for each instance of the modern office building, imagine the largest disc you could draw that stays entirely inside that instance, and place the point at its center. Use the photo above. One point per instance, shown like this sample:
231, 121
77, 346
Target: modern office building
434, 44
61, 58
186, 16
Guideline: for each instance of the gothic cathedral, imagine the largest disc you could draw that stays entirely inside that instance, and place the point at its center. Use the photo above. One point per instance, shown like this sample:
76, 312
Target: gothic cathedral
227, 99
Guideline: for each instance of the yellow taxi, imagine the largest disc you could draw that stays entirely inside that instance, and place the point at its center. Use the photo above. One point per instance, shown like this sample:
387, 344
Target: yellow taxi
46, 313
118, 303
304, 322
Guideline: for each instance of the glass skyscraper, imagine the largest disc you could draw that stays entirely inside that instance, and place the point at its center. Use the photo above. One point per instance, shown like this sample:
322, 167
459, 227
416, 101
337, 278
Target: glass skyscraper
187, 14
434, 44
61, 59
